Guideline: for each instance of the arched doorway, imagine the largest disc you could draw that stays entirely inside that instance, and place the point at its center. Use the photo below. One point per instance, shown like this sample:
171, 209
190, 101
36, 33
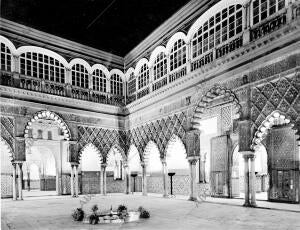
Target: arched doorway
6, 170
261, 172
90, 167
46, 139
178, 167
283, 157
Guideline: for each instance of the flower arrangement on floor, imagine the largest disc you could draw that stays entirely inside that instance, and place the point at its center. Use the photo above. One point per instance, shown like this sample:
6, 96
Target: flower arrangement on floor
121, 215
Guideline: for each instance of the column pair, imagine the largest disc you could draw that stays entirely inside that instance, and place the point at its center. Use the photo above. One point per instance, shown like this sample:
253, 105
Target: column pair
74, 180
249, 179
17, 184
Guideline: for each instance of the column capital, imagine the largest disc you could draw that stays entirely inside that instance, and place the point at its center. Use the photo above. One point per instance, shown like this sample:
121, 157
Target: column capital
103, 165
247, 154
193, 160
163, 161
74, 164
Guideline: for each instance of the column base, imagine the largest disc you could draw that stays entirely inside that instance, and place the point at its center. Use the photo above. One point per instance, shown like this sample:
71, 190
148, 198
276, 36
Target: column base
165, 196
145, 194
246, 204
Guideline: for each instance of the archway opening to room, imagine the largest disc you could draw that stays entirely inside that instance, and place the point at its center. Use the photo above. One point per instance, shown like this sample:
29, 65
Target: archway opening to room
134, 165
6, 170
115, 175
90, 167
178, 167
46, 140
261, 173
39, 171
154, 169
206, 169
279, 135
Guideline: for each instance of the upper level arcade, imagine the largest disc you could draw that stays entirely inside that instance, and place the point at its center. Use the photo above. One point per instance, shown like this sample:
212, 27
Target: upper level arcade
209, 42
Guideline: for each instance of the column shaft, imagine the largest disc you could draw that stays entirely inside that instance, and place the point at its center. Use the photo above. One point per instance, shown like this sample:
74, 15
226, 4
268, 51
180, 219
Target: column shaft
253, 182
165, 178
76, 180
72, 180
104, 180
127, 180
101, 181
193, 194
19, 165
144, 180
246, 180
14, 182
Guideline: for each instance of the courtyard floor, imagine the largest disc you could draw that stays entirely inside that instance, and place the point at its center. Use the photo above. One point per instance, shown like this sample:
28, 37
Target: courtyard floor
54, 212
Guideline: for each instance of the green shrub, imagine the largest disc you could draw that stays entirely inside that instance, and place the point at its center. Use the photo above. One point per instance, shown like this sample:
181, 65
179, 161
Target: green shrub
144, 214
121, 208
78, 214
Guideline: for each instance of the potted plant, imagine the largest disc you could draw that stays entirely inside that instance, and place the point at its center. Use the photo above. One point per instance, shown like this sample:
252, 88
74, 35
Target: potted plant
93, 218
143, 212
78, 214
122, 211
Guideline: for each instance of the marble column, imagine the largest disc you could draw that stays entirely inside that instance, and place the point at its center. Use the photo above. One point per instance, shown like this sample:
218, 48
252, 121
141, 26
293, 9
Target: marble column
165, 177
104, 178
28, 180
192, 164
101, 180
76, 180
253, 181
19, 165
144, 179
246, 179
127, 179
14, 182
72, 180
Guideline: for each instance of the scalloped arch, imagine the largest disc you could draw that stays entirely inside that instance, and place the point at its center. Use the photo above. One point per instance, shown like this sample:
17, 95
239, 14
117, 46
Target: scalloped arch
119, 150
209, 96
10, 151
275, 118
46, 114
211, 12
146, 154
171, 142
177, 36
94, 148
155, 53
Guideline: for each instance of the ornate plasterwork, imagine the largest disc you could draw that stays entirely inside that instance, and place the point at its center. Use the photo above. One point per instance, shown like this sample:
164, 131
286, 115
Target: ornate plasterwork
8, 131
282, 94
215, 94
103, 139
10, 149
159, 131
49, 115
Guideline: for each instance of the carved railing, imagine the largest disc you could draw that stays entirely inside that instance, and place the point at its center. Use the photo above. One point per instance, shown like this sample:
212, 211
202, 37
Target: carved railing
267, 27
131, 98
79, 93
204, 60
54, 88
162, 82
143, 93
6, 78
116, 100
229, 47
177, 74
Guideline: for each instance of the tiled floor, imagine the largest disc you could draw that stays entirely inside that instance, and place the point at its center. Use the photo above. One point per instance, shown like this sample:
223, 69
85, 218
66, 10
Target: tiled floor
166, 213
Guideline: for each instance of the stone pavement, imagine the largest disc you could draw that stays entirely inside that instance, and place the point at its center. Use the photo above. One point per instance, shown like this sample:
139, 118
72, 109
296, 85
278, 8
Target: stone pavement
174, 213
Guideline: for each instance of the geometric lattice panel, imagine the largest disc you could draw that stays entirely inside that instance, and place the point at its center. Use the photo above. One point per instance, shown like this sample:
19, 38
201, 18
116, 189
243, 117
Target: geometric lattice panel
282, 95
181, 185
7, 130
159, 131
103, 139
6, 185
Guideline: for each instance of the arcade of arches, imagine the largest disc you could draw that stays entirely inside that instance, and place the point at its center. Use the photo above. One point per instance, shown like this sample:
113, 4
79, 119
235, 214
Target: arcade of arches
217, 110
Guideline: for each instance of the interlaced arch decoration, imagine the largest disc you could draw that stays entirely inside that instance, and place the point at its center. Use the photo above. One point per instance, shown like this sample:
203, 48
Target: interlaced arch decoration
102, 139
215, 93
93, 147
46, 114
10, 150
7, 131
159, 131
275, 118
